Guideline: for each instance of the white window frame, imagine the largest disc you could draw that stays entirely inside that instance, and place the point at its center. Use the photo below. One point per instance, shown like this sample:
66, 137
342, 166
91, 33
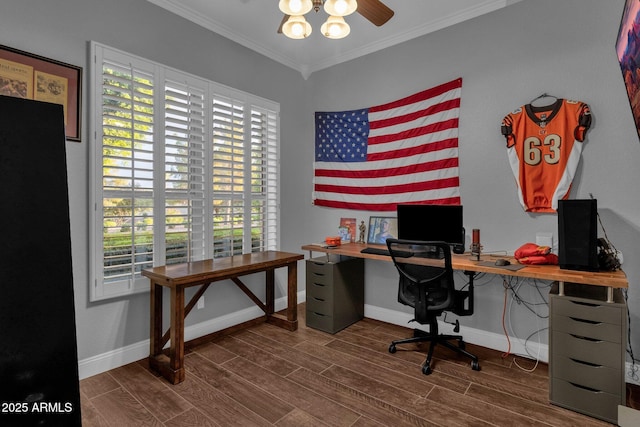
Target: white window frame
165, 134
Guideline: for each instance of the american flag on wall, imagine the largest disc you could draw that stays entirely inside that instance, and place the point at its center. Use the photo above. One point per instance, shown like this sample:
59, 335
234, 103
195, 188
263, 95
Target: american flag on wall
405, 151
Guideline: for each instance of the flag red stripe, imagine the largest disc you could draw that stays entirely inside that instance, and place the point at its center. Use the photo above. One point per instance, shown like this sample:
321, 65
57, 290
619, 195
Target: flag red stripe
411, 151
420, 96
438, 108
390, 189
380, 206
387, 172
412, 133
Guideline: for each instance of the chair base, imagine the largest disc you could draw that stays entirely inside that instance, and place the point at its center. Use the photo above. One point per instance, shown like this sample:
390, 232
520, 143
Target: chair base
435, 338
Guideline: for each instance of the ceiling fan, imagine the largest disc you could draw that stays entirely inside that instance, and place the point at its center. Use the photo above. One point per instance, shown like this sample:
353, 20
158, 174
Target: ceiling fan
373, 10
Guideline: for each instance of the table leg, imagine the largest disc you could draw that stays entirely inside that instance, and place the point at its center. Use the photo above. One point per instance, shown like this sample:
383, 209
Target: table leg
155, 322
292, 293
290, 322
270, 292
176, 350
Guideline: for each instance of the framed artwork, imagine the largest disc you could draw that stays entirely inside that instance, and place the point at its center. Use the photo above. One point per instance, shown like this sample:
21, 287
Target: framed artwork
381, 228
24, 75
628, 52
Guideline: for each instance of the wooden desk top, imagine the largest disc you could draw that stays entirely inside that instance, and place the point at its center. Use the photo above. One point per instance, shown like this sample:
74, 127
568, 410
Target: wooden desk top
614, 279
210, 270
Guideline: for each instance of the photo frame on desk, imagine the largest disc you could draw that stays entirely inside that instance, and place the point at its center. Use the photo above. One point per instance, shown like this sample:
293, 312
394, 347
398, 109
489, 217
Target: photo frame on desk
29, 76
381, 228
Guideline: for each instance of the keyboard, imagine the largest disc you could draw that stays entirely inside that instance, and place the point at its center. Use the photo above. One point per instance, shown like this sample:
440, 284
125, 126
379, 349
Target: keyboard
382, 251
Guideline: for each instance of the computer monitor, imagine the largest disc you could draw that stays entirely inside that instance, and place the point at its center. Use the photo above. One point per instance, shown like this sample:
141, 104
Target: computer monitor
431, 222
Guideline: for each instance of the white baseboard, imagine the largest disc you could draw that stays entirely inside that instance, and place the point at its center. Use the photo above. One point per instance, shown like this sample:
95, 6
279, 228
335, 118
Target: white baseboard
471, 335
134, 352
113, 359
479, 337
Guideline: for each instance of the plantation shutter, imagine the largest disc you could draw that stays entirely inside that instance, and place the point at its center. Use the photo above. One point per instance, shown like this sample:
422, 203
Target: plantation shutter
228, 176
183, 169
185, 207
126, 114
264, 178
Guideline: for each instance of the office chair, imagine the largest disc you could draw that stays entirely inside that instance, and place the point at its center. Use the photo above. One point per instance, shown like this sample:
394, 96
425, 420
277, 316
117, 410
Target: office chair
427, 285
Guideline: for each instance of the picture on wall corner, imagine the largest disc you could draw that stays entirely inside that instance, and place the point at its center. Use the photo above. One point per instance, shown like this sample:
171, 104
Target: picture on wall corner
628, 52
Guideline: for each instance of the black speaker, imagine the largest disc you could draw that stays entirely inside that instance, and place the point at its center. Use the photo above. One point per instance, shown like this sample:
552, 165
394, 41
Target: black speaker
578, 234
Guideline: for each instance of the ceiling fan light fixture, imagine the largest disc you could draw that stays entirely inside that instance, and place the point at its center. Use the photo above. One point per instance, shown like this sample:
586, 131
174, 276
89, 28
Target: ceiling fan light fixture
296, 27
295, 7
335, 28
340, 7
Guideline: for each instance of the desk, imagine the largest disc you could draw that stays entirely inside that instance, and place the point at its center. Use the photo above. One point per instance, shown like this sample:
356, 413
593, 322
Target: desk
576, 323
607, 279
177, 277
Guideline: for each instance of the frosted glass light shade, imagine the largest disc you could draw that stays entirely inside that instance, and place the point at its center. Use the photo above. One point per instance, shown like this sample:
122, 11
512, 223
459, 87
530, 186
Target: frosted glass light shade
335, 28
340, 7
296, 27
295, 7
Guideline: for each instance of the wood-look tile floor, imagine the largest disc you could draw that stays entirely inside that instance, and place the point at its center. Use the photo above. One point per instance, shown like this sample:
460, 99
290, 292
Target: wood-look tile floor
266, 376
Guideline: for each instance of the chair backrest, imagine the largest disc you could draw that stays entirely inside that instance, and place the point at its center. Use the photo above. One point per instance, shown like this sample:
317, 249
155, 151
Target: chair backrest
426, 276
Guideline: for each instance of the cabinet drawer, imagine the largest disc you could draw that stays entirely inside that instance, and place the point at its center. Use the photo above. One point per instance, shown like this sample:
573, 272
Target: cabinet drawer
596, 377
319, 290
320, 321
320, 305
594, 403
587, 328
585, 350
596, 312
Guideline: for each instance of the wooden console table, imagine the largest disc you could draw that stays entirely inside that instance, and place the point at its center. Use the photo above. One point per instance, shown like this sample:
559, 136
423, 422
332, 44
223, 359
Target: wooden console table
177, 277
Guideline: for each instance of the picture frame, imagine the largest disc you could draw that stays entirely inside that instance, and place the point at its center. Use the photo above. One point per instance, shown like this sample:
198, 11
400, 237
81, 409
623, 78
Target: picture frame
628, 53
381, 228
29, 76
347, 230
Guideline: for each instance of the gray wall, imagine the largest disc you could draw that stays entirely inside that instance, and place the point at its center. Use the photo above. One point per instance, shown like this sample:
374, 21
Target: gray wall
506, 58
62, 30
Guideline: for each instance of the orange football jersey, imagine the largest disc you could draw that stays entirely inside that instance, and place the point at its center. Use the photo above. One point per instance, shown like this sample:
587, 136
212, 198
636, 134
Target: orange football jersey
544, 145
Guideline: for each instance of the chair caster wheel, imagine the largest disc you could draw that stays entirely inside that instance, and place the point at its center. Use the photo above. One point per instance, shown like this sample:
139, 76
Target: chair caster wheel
475, 365
426, 369
392, 348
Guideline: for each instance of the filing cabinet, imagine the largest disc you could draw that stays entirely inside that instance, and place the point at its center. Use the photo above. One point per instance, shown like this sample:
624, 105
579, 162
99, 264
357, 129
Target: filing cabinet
587, 338
335, 293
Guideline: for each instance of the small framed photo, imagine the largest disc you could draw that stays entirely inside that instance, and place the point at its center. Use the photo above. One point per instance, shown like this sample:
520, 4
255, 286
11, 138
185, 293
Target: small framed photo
382, 228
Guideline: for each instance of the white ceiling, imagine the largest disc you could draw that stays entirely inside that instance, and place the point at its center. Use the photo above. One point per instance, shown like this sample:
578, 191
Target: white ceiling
253, 24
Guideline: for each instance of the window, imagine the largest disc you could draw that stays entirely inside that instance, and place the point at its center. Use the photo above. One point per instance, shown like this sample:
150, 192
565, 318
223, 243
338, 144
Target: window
184, 169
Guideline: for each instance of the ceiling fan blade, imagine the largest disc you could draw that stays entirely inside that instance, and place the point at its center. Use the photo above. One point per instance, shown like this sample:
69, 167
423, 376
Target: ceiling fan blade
375, 11
284, 19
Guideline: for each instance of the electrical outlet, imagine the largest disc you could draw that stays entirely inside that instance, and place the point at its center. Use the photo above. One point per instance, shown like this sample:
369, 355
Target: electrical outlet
200, 302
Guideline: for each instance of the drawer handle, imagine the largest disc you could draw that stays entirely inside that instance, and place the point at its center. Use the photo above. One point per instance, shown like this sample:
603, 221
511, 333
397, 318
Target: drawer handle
593, 390
319, 314
319, 284
595, 365
591, 322
586, 303
318, 299
318, 274
580, 337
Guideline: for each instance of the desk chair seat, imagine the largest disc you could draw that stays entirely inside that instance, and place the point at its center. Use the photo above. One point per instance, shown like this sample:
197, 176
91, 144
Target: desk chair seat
427, 284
